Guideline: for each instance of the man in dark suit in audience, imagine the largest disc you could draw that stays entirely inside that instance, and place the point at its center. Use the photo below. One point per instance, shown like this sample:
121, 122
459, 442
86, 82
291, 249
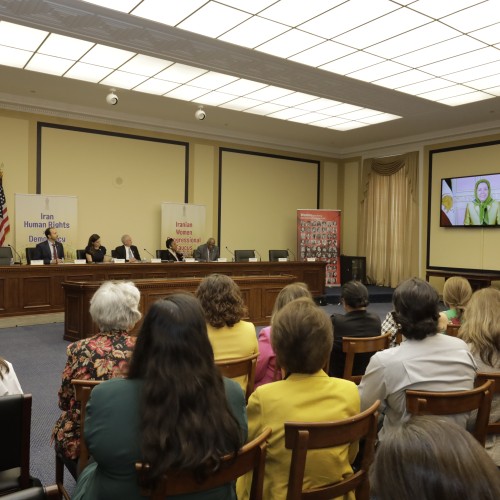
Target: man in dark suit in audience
50, 251
207, 252
358, 322
127, 251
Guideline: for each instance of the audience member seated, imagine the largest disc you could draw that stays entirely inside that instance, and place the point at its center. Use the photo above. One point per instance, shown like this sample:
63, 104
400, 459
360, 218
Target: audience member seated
114, 308
127, 251
358, 322
389, 325
172, 254
94, 252
481, 330
456, 294
8, 381
223, 305
302, 338
173, 411
431, 458
266, 370
425, 361
207, 252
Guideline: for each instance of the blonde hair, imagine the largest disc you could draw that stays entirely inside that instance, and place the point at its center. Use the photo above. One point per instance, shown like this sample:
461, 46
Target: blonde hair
481, 325
291, 292
457, 293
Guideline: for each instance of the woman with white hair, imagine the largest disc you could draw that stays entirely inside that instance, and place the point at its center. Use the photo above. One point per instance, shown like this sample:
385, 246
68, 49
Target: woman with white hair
114, 308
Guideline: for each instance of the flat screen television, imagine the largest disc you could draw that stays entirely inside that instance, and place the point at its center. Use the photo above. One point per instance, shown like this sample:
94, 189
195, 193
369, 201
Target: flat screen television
472, 201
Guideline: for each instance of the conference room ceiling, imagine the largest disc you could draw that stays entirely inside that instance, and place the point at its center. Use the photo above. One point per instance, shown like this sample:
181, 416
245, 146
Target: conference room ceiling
329, 77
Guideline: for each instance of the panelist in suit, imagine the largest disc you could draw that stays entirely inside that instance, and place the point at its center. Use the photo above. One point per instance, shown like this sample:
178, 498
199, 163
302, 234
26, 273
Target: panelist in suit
94, 252
127, 251
50, 251
172, 253
207, 252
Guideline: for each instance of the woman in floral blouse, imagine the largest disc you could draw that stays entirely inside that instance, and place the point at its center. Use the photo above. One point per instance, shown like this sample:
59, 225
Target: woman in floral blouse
114, 308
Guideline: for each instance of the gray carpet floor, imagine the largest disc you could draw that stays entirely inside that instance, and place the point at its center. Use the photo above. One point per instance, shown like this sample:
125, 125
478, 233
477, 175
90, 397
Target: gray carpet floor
38, 354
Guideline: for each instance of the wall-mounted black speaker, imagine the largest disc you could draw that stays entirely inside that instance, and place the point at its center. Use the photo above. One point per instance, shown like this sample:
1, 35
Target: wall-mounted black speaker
352, 268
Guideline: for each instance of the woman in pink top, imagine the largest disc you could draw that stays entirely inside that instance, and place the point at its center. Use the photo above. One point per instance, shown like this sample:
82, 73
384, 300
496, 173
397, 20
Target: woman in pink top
266, 370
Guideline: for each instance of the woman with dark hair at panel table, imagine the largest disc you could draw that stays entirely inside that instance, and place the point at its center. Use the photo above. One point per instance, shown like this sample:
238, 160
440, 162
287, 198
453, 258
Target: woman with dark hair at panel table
94, 252
172, 253
8, 381
174, 410
223, 305
484, 210
302, 338
425, 360
456, 294
481, 331
431, 458
357, 322
114, 308
266, 370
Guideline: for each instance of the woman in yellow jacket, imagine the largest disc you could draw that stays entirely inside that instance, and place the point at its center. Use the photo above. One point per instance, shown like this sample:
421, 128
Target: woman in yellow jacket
302, 339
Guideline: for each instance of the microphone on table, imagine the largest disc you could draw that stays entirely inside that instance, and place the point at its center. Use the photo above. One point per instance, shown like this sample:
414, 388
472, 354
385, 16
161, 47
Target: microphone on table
17, 253
258, 254
289, 251
230, 253
146, 250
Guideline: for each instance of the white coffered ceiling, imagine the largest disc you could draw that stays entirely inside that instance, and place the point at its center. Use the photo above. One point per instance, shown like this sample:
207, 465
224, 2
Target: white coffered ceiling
325, 76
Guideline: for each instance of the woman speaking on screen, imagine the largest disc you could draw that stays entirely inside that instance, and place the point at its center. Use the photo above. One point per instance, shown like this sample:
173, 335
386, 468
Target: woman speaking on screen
483, 211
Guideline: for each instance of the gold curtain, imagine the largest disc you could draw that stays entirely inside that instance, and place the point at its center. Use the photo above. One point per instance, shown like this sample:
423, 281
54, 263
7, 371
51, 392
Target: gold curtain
389, 210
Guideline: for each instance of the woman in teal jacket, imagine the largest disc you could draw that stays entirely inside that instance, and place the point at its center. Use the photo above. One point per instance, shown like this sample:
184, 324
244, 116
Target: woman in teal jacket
174, 410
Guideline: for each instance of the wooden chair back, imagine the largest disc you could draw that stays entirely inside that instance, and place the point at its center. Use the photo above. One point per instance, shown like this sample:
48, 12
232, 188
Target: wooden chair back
240, 367
82, 389
251, 457
452, 403
356, 345
15, 435
303, 436
452, 330
481, 378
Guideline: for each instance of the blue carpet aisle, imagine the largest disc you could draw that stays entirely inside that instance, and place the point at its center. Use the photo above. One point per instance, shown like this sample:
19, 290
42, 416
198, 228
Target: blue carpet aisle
38, 354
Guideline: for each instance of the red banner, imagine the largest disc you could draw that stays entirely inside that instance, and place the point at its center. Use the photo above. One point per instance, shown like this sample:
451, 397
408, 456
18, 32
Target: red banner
318, 237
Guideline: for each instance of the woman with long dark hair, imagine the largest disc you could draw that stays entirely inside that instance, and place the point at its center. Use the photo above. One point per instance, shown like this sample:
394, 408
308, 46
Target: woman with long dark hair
174, 410
94, 251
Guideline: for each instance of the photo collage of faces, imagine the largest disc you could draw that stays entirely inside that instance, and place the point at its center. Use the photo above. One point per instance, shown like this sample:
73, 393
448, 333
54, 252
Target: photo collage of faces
320, 238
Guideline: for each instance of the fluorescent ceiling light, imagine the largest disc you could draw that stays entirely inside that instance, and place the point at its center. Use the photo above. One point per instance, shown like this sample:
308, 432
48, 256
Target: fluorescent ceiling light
214, 98
294, 12
489, 35
347, 16
494, 91
252, 7
87, 72
476, 17
155, 86
378, 71
322, 53
401, 79
186, 93
269, 93
485, 83
49, 65
16, 58
109, 57
65, 47
308, 118
145, 65
440, 51
241, 104
123, 80
439, 95
213, 20
383, 28
290, 43
120, 5
212, 80
416, 39
466, 98
286, 114
340, 109
383, 117
329, 122
360, 114
318, 104
242, 87
439, 9
348, 126
180, 73
253, 32
265, 109
20, 37
295, 99
426, 86
475, 73
350, 63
